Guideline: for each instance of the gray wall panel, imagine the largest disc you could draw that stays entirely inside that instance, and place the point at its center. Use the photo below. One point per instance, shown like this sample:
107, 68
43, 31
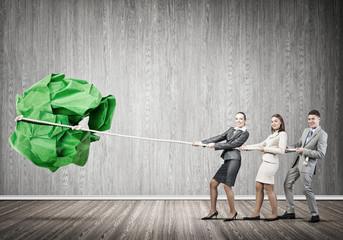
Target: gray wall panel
179, 70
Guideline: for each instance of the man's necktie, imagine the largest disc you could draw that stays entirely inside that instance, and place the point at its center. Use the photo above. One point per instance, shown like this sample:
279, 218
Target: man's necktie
308, 136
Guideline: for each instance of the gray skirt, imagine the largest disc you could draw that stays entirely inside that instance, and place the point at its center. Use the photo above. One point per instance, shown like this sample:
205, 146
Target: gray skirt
227, 173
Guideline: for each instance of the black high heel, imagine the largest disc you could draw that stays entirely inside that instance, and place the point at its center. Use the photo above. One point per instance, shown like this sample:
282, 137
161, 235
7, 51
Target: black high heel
215, 214
271, 219
252, 218
231, 219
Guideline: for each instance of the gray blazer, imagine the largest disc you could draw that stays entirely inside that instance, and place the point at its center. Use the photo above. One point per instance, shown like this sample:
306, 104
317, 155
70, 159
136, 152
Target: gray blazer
232, 141
315, 149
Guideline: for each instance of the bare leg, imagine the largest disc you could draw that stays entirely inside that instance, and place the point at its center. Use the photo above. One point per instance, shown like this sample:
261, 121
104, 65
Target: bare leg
213, 195
272, 199
259, 199
231, 199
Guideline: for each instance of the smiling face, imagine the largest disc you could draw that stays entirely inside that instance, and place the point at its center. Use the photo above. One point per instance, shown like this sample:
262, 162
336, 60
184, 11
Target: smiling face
313, 121
275, 123
240, 121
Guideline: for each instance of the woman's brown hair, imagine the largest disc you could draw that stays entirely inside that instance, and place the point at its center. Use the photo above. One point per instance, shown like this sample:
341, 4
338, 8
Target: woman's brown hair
282, 126
245, 117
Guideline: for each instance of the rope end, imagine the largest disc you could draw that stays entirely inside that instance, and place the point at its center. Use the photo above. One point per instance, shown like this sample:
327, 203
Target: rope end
19, 118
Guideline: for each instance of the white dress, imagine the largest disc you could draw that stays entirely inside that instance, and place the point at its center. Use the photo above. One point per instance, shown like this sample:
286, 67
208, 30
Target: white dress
274, 145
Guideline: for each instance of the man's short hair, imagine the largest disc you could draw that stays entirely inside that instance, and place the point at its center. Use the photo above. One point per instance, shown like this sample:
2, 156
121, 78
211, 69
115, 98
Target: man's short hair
314, 112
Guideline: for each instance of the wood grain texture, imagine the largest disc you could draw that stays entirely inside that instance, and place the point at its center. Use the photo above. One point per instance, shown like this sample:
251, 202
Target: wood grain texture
179, 70
159, 220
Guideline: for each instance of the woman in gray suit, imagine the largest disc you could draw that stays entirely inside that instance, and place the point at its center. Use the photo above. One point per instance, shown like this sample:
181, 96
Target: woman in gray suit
274, 145
227, 173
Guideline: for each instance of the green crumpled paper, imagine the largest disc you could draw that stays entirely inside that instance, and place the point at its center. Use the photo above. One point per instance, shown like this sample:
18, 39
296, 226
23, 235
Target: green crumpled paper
65, 101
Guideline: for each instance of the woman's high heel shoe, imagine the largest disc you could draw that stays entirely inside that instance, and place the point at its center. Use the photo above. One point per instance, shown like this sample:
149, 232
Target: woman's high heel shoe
215, 214
252, 218
231, 219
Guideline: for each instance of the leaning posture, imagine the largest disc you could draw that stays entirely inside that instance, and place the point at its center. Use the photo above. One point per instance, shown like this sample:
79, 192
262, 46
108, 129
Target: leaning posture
227, 173
274, 145
310, 147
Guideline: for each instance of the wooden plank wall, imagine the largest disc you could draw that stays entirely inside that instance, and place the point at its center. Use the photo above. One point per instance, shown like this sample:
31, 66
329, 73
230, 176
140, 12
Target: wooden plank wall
179, 70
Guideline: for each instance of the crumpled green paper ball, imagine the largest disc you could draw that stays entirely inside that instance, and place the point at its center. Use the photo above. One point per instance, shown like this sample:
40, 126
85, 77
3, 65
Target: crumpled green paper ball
65, 101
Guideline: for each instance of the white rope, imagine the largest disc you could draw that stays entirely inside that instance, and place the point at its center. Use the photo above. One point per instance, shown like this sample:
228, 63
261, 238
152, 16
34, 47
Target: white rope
78, 127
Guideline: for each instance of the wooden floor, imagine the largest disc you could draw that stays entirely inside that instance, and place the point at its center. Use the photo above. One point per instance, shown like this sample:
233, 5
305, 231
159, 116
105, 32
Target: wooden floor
159, 220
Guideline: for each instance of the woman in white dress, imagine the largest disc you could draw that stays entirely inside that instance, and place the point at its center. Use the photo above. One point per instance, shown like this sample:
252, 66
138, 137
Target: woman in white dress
274, 145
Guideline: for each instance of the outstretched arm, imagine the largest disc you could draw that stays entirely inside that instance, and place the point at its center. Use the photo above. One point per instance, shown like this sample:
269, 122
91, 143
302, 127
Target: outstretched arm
255, 146
235, 143
280, 149
216, 139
